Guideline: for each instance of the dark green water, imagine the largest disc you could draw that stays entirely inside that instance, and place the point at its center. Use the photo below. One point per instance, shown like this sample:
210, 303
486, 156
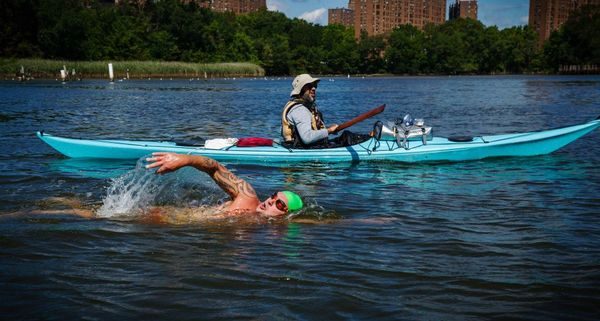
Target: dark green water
512, 238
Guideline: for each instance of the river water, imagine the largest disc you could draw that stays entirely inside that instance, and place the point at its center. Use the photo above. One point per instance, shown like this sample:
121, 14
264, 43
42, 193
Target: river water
508, 238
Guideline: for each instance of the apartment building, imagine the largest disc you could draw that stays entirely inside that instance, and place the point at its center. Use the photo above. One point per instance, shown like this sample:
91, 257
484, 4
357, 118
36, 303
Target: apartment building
238, 6
342, 16
381, 16
546, 16
463, 9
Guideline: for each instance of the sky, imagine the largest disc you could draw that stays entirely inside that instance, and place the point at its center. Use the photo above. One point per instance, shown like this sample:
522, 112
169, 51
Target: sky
501, 13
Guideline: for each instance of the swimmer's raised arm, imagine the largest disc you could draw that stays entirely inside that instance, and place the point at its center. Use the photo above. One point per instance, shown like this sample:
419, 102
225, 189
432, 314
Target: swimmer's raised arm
232, 185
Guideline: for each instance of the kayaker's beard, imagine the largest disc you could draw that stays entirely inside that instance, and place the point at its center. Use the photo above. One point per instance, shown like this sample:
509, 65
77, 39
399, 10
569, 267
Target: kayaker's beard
308, 98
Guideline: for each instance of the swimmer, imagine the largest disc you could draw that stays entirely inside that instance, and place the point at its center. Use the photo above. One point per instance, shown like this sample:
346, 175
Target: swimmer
243, 197
244, 202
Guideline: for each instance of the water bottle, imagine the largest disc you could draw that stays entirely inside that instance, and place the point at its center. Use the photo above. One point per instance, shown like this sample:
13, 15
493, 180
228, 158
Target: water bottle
407, 121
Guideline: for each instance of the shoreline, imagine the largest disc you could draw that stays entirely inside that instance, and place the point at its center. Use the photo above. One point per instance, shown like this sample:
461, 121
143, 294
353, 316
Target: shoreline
25, 69
167, 77
45, 69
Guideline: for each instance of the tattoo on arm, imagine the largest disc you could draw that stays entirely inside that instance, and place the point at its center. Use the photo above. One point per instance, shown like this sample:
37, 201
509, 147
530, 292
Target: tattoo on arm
206, 164
231, 184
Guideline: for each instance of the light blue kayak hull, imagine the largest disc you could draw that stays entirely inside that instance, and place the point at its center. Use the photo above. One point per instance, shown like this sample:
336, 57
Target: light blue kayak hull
436, 150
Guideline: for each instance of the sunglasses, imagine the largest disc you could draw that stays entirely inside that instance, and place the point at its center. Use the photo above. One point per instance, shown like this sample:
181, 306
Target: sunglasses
310, 86
279, 203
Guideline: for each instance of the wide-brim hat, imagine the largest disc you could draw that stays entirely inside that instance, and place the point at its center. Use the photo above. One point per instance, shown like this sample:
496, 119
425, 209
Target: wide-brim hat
301, 81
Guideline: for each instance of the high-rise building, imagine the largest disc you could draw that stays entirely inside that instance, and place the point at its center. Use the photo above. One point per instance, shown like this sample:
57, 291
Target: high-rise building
463, 9
238, 6
546, 16
381, 16
342, 16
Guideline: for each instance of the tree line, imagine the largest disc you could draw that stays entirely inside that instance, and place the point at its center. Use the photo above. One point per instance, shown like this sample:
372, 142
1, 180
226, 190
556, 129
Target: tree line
169, 30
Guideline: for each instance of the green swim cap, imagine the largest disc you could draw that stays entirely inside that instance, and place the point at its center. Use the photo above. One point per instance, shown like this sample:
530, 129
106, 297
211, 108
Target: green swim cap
294, 202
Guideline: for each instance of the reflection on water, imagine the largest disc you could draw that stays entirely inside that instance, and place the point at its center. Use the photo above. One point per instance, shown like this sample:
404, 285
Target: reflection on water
91, 168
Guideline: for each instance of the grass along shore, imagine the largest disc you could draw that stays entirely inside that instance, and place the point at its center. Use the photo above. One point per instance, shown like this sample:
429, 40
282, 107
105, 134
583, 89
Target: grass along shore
50, 69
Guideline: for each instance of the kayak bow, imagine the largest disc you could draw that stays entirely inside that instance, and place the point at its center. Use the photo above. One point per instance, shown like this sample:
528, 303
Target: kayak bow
436, 149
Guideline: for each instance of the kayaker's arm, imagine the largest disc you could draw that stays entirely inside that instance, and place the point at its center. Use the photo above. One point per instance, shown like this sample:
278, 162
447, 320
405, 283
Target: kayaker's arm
231, 184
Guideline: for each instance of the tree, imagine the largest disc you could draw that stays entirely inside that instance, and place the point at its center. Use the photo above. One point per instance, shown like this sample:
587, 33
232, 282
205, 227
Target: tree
242, 48
577, 42
341, 50
19, 29
371, 51
490, 59
61, 35
444, 50
275, 55
406, 52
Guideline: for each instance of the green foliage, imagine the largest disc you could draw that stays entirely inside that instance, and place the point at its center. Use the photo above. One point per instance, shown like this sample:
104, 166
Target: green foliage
340, 49
170, 30
577, 42
136, 69
520, 50
406, 53
18, 31
371, 54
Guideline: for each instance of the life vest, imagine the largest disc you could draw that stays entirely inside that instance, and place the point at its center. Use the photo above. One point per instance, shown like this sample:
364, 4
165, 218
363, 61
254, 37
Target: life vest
288, 131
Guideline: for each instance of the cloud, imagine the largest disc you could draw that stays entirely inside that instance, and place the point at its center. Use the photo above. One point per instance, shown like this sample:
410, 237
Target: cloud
525, 20
318, 16
276, 5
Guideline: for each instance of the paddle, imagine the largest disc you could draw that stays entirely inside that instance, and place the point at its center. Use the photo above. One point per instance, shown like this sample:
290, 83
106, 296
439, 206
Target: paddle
360, 118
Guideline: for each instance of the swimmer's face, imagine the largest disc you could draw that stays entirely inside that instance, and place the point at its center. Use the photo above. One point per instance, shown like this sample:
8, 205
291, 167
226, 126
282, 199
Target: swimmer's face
276, 205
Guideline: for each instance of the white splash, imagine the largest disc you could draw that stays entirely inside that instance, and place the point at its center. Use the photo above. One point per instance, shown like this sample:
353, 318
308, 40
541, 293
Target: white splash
140, 188
130, 192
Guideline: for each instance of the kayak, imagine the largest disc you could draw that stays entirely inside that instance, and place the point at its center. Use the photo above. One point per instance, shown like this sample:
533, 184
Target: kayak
435, 149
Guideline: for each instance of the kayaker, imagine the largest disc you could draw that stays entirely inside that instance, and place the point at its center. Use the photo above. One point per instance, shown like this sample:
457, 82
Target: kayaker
243, 197
302, 123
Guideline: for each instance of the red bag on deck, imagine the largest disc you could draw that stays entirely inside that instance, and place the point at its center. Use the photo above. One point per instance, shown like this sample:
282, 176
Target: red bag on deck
254, 141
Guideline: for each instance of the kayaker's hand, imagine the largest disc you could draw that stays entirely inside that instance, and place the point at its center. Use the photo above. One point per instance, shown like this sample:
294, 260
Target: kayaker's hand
331, 129
167, 162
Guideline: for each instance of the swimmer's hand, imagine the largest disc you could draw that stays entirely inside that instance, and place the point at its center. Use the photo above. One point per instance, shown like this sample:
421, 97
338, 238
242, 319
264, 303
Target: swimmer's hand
167, 162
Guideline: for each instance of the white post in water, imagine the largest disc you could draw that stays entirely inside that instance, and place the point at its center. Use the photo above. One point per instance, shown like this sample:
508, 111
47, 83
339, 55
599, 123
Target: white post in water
111, 74
21, 76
